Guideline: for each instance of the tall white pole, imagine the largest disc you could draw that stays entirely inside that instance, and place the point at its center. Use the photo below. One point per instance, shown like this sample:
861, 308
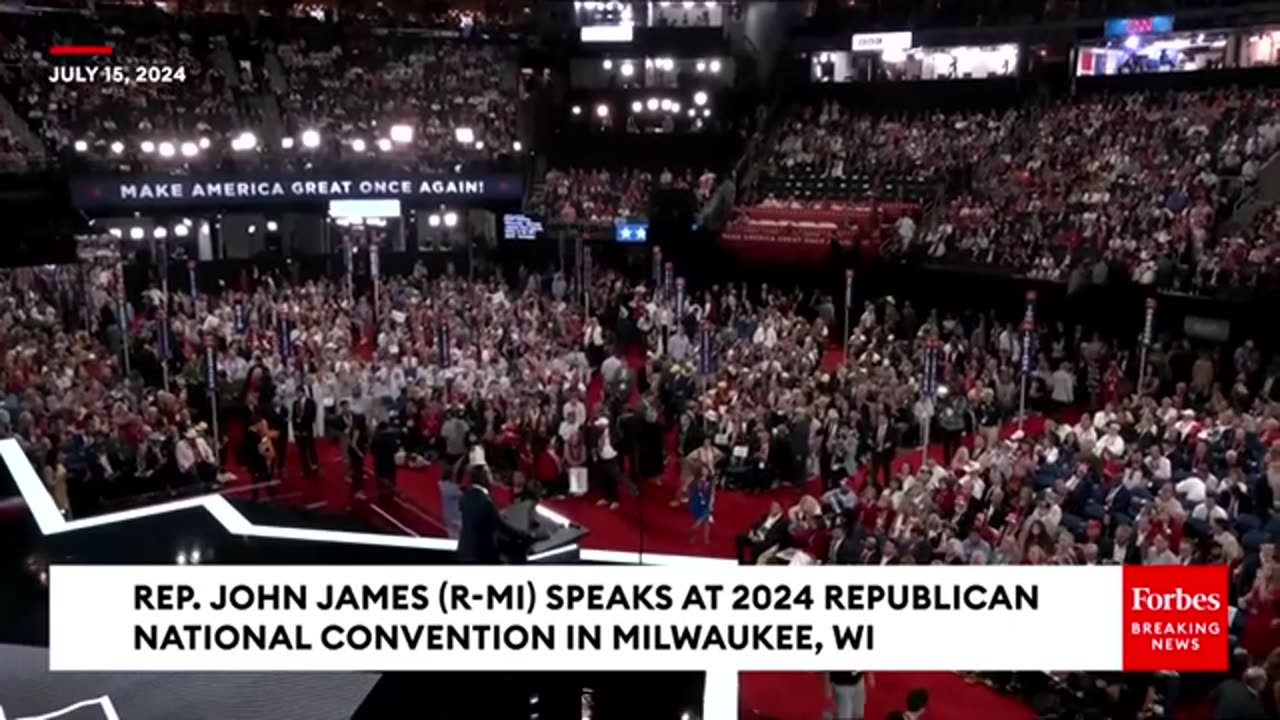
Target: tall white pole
1148, 326
1028, 328
164, 313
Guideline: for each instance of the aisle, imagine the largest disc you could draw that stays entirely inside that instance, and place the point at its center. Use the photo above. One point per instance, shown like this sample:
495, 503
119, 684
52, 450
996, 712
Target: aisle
800, 696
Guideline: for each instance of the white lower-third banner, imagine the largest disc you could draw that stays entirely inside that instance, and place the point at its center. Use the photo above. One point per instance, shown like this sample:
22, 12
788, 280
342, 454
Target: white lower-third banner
264, 618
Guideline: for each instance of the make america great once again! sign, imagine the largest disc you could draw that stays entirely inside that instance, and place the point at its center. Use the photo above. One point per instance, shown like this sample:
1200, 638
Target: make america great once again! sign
162, 191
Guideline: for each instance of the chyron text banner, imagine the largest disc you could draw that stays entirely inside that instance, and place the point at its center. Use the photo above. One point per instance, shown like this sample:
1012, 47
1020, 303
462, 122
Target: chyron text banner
143, 192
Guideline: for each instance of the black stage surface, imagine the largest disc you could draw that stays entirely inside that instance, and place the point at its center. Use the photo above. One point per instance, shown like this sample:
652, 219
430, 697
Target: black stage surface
28, 689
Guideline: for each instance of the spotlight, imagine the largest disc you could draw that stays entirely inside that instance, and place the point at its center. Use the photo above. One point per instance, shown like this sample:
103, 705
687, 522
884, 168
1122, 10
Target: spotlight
652, 104
665, 104
384, 144
602, 110
167, 150
181, 230
181, 558
706, 112
117, 147
272, 226
160, 233
286, 143
666, 64
479, 144
517, 146
194, 556
628, 69
401, 133
464, 135
434, 221
116, 232
253, 229
147, 147
450, 219
576, 110
693, 113
189, 149
310, 139
700, 98
701, 66
244, 142
675, 106
81, 146
358, 145
637, 106
607, 64
186, 221
136, 233
204, 143
714, 67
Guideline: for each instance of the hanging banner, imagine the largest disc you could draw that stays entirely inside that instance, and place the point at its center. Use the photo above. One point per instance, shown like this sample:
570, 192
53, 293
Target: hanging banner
162, 322
929, 377
1149, 323
264, 190
706, 351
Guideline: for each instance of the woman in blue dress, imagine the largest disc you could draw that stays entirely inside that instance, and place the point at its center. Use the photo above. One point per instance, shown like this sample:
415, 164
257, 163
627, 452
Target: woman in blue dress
702, 496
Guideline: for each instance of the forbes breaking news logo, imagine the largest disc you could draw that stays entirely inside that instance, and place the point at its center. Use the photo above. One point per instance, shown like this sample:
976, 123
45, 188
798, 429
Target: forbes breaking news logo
1175, 618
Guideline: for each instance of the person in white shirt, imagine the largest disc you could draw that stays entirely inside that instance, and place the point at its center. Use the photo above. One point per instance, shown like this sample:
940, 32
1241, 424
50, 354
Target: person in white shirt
1111, 445
1159, 465
1085, 433
1209, 510
1062, 385
607, 470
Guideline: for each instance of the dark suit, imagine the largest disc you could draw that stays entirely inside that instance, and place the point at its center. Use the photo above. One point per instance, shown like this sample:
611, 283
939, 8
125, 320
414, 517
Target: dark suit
842, 552
1132, 553
356, 440
750, 545
884, 447
1233, 700
481, 524
304, 434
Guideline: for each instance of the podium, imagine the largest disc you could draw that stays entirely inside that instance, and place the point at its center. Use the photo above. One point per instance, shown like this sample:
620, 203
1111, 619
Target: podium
537, 539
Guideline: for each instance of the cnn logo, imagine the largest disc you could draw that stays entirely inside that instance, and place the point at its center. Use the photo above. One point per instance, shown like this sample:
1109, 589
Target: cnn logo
1146, 600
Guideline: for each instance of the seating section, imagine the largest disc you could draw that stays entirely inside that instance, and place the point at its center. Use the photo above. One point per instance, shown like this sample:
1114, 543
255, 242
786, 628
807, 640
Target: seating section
1136, 183
457, 98
600, 195
354, 91
171, 125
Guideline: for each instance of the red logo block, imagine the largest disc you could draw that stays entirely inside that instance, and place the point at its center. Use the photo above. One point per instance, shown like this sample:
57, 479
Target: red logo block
1175, 618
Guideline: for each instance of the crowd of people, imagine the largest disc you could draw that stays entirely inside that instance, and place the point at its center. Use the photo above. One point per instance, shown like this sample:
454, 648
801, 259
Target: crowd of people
601, 195
1133, 184
829, 140
189, 115
353, 92
181, 116
1181, 469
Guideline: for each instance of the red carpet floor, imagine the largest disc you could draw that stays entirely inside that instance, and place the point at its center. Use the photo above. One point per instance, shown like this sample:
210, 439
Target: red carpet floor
799, 696
649, 524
